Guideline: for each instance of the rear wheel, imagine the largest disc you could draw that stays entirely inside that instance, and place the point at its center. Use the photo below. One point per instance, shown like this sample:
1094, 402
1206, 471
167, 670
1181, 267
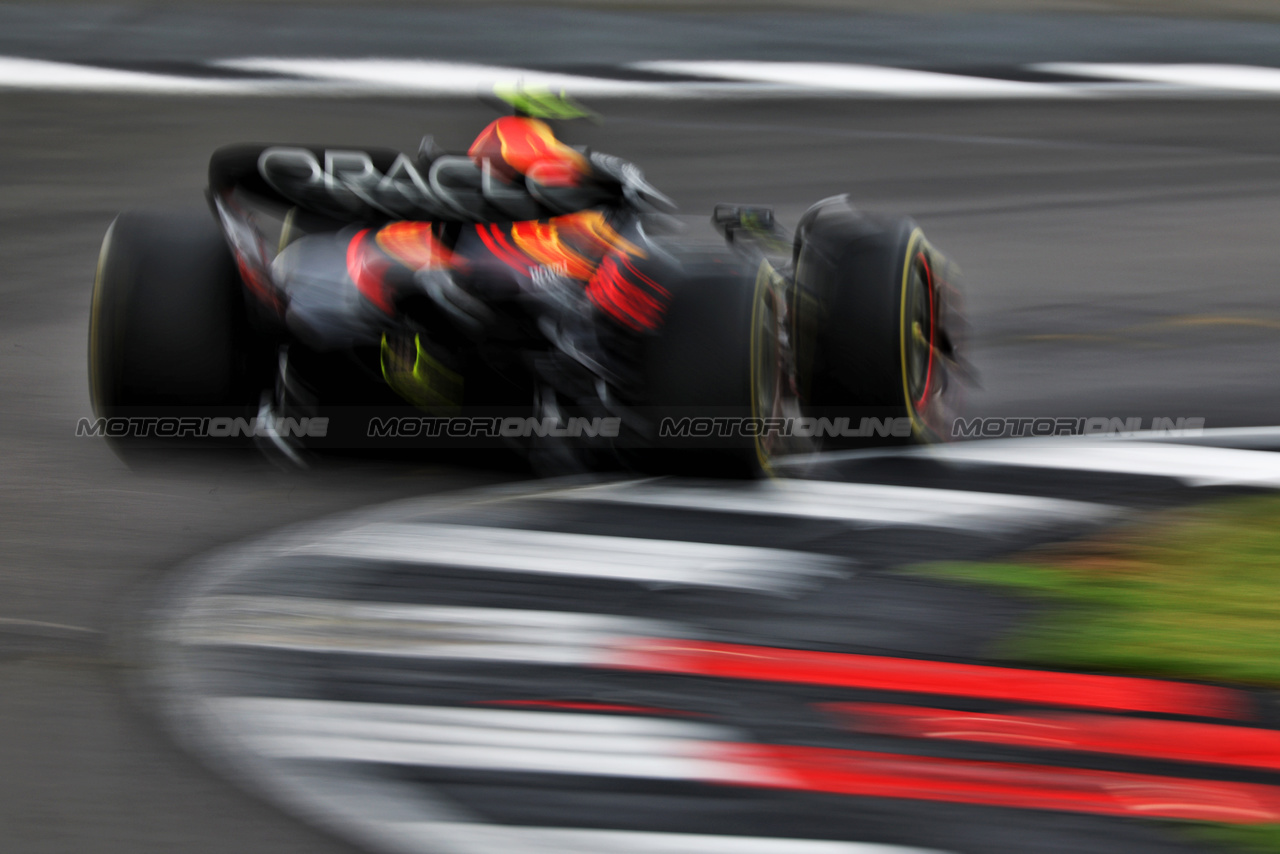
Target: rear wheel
875, 327
699, 373
721, 373
169, 336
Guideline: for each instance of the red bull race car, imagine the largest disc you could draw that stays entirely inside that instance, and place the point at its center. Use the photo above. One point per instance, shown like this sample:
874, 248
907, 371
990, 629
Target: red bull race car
524, 294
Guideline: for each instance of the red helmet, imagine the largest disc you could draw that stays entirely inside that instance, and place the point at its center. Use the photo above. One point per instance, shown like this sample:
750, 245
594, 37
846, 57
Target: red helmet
519, 146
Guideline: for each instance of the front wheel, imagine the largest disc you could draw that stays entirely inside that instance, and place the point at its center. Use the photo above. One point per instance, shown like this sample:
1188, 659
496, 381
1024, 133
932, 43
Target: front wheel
875, 314
697, 373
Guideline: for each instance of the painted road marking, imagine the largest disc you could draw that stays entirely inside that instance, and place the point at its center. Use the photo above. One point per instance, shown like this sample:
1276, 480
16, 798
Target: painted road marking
500, 740
435, 78
1193, 465
19, 73
287, 76
1175, 741
489, 739
302, 740
413, 631
862, 503
504, 839
863, 79
882, 673
583, 555
593, 640
1239, 79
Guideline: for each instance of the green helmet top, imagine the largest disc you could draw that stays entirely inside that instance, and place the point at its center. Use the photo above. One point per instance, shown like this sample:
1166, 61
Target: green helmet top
539, 102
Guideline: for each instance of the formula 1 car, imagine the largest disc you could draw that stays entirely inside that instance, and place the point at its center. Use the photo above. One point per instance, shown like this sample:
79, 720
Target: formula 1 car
522, 295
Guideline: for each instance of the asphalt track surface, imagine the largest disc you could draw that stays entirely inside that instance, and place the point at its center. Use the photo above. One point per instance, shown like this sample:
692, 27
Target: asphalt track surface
1120, 261
974, 32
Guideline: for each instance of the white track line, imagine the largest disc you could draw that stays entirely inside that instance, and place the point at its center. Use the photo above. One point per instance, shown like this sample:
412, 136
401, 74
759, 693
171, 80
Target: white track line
584, 555
506, 839
489, 739
414, 631
730, 78
862, 79
1194, 465
860, 503
1242, 79
437, 78
1246, 438
18, 73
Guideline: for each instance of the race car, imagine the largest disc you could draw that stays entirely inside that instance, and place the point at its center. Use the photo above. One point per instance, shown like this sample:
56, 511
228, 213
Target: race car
525, 295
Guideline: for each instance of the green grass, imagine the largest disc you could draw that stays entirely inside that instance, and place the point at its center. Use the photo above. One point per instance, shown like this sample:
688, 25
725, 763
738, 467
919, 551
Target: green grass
1190, 593
1245, 838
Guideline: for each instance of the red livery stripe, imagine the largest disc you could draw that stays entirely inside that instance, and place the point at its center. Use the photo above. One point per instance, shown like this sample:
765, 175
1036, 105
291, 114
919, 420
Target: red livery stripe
488, 235
623, 297
368, 271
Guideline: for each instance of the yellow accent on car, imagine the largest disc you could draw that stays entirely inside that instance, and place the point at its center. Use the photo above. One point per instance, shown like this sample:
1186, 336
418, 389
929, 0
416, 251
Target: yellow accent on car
592, 226
766, 277
916, 238
420, 379
541, 241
